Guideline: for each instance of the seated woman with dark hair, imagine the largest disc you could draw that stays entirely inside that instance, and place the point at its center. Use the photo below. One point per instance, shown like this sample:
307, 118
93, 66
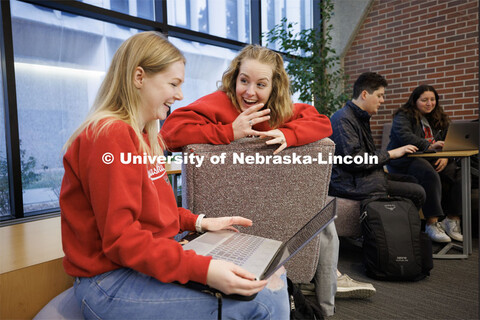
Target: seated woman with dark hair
422, 122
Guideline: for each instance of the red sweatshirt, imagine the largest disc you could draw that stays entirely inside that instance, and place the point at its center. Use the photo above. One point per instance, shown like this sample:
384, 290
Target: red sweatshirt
122, 215
210, 118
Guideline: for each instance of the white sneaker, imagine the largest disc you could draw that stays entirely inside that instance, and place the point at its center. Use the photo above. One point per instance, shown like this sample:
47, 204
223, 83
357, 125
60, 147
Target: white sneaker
349, 288
452, 228
436, 233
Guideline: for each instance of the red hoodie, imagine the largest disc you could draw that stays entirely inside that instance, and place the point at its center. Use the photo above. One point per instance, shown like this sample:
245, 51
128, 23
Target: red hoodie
122, 215
210, 118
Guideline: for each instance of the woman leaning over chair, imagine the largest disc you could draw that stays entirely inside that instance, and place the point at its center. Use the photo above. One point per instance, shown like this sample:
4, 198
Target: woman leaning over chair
253, 100
119, 219
422, 122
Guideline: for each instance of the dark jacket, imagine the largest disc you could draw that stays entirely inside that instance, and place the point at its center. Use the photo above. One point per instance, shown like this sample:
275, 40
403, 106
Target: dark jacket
352, 136
407, 130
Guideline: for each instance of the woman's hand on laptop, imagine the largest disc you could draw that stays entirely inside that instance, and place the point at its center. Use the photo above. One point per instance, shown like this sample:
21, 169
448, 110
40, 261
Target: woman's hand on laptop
224, 223
437, 145
232, 279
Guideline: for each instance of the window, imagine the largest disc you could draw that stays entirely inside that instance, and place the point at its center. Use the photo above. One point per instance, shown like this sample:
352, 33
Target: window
296, 11
60, 51
224, 18
201, 57
55, 85
137, 8
4, 184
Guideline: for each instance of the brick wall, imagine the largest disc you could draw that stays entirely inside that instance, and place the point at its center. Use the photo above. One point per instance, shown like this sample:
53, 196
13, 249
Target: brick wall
412, 42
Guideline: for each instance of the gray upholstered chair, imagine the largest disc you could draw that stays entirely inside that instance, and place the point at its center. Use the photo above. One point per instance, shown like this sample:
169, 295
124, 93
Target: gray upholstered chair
62, 307
348, 215
279, 198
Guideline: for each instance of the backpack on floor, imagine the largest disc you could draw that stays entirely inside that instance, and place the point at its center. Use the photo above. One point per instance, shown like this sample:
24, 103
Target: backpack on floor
394, 247
300, 307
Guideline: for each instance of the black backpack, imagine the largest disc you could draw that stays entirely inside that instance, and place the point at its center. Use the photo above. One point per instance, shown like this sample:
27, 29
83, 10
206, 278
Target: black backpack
300, 307
394, 247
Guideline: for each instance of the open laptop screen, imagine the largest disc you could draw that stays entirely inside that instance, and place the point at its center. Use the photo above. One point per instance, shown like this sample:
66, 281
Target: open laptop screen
302, 237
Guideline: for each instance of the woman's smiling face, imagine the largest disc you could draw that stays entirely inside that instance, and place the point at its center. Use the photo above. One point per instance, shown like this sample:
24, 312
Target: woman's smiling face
427, 102
160, 90
254, 83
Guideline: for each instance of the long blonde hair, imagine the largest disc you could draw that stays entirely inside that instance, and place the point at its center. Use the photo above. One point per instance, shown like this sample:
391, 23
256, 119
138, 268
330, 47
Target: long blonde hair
118, 99
279, 102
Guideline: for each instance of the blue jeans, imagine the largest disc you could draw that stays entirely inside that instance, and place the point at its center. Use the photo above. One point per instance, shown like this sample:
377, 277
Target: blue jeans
127, 294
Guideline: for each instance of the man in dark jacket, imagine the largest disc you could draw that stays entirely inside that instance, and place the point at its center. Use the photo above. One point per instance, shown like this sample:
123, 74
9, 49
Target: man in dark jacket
353, 140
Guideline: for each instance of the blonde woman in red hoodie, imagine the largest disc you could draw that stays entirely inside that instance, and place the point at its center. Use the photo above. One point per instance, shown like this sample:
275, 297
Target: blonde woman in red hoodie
119, 218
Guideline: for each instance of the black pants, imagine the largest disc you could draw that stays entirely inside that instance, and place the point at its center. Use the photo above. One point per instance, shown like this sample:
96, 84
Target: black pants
406, 186
443, 189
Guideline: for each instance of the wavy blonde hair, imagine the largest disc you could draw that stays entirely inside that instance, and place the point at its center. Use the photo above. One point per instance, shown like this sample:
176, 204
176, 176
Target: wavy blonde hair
279, 102
118, 98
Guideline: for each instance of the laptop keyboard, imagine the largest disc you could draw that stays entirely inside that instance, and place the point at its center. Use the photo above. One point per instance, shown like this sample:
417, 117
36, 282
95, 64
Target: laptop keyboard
237, 249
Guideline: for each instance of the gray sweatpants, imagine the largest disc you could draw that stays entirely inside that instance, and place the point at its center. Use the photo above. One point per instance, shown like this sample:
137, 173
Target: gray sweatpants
326, 275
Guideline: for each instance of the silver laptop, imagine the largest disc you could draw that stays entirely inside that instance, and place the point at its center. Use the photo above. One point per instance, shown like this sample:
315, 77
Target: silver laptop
461, 136
260, 256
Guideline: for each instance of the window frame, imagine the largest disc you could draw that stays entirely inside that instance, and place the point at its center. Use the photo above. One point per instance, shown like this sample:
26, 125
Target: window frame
17, 214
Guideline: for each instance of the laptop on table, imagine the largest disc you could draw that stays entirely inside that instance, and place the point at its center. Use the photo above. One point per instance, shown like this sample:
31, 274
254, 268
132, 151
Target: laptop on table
461, 136
260, 256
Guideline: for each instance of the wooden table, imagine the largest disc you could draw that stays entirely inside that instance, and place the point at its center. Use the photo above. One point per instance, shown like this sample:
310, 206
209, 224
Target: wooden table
173, 168
466, 202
